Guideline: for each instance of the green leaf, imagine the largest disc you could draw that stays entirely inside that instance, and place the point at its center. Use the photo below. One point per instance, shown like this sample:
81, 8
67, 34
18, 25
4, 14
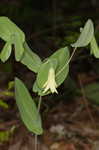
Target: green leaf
3, 104
30, 59
92, 92
94, 47
36, 89
9, 32
62, 56
5, 136
9, 29
42, 75
6, 52
10, 85
27, 108
19, 49
61, 70
86, 35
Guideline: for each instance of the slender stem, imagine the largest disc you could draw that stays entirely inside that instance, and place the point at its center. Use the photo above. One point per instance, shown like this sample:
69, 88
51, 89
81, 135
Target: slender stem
67, 61
39, 104
36, 137
71, 56
36, 143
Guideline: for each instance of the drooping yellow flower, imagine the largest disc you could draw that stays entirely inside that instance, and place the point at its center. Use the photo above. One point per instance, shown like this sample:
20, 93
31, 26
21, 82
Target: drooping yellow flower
50, 83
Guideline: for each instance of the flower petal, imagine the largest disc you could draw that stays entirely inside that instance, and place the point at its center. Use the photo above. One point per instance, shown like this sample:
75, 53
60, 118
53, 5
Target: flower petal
50, 84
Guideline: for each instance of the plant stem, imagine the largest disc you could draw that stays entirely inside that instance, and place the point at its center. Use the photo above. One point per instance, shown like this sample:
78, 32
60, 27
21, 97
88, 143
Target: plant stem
71, 56
67, 61
36, 137
36, 143
39, 104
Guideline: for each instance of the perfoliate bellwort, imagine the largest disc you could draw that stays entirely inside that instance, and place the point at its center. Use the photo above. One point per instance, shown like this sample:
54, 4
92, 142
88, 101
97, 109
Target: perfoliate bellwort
50, 84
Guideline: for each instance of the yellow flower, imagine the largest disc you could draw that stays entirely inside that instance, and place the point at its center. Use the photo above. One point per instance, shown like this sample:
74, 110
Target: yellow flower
50, 83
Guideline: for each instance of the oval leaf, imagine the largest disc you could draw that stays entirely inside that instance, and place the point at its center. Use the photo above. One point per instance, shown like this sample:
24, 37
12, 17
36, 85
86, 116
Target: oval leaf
11, 33
85, 36
6, 52
42, 75
30, 59
62, 56
8, 29
94, 47
36, 89
61, 70
19, 49
27, 108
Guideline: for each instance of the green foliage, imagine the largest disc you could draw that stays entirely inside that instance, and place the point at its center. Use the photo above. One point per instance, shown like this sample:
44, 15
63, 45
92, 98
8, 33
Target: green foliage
85, 36
8, 30
6, 52
6, 134
92, 92
11, 34
10, 85
43, 73
30, 59
7, 92
19, 49
3, 104
59, 61
94, 47
62, 56
27, 108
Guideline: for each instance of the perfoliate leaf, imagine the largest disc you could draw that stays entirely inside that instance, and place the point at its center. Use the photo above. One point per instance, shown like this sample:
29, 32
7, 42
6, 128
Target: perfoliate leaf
6, 52
43, 72
62, 56
61, 70
30, 59
19, 49
36, 88
94, 47
85, 36
9, 29
9, 32
27, 108
42, 76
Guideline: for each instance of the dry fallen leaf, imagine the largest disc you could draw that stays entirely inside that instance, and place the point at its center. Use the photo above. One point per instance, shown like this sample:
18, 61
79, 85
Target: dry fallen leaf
62, 146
